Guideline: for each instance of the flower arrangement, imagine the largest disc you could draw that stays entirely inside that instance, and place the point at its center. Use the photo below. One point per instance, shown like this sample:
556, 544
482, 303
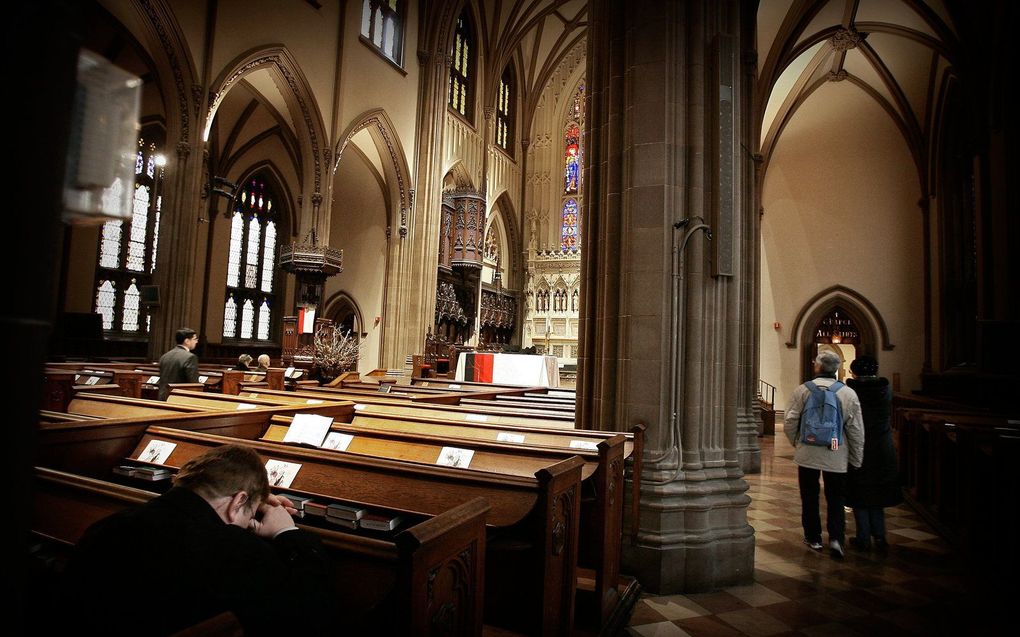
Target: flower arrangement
335, 351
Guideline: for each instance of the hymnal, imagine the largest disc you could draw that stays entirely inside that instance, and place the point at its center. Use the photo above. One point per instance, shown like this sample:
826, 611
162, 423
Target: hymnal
150, 473
380, 522
344, 512
347, 524
299, 501
315, 508
308, 429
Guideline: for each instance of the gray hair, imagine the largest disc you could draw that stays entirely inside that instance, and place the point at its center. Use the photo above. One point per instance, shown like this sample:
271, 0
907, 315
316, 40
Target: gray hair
828, 362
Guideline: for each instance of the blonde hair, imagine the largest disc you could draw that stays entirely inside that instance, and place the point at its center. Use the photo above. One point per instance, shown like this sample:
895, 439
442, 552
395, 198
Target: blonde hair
224, 471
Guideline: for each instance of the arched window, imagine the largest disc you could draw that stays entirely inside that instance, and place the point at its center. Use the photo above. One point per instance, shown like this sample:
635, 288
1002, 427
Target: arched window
382, 25
572, 157
505, 110
573, 154
569, 235
127, 249
251, 263
461, 75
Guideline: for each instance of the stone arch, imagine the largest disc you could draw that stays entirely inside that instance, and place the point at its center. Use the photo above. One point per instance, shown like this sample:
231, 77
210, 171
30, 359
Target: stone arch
340, 306
458, 177
387, 143
286, 72
503, 213
874, 334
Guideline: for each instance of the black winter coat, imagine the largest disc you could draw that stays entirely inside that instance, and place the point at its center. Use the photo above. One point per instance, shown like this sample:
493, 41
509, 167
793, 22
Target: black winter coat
876, 483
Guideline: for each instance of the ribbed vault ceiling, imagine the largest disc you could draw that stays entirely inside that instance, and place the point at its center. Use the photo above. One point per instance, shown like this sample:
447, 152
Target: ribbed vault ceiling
898, 52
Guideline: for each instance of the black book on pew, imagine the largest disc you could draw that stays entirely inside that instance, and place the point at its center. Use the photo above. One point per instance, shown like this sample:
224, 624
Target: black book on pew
380, 521
344, 512
347, 524
315, 509
150, 473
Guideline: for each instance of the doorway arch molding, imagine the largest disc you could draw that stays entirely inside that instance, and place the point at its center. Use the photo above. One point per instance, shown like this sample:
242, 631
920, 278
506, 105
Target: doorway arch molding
863, 312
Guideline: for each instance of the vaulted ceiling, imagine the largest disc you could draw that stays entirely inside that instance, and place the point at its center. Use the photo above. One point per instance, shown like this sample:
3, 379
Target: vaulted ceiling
898, 52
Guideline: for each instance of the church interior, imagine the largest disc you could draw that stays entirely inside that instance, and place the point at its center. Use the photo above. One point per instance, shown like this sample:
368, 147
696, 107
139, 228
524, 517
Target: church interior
624, 228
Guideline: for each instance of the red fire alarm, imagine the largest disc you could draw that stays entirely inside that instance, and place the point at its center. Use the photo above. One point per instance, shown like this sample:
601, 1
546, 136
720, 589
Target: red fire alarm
776, 326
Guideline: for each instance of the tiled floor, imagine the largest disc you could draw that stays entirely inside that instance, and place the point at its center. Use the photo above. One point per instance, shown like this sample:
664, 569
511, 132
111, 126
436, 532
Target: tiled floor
919, 588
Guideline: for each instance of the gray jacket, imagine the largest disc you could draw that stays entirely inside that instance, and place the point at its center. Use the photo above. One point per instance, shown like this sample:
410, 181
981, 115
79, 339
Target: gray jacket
179, 365
824, 458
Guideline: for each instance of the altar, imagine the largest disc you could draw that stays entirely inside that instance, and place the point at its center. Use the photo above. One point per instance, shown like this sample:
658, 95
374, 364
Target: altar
509, 369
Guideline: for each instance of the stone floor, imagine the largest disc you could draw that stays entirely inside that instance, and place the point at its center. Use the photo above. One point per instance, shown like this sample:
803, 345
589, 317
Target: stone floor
919, 588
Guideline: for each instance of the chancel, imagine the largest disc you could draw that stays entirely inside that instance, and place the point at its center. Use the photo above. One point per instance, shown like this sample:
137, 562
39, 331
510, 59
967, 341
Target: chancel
536, 282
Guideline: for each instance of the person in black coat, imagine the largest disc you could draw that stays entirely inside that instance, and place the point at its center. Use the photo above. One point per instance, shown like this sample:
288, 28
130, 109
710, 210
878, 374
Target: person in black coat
216, 542
875, 485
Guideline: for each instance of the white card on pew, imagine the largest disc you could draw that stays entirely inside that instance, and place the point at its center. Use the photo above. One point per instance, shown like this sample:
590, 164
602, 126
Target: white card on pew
313, 401
253, 395
157, 451
76, 377
92, 380
308, 429
506, 436
289, 372
281, 474
241, 406
477, 417
202, 379
584, 444
337, 440
453, 386
454, 457
358, 407
152, 380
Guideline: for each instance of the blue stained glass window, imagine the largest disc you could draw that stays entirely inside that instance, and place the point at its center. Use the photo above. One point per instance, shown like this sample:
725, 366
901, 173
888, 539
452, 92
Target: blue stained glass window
572, 156
569, 235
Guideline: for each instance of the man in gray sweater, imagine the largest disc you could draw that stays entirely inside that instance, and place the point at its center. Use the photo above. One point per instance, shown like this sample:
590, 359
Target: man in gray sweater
829, 461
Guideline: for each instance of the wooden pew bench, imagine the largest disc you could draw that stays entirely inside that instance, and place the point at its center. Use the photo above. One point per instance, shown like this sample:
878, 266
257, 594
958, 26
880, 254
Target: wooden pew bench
533, 520
404, 584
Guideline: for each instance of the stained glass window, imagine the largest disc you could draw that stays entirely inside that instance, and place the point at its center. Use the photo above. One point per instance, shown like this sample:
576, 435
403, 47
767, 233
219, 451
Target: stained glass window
251, 263
505, 111
461, 98
382, 24
572, 156
127, 248
569, 235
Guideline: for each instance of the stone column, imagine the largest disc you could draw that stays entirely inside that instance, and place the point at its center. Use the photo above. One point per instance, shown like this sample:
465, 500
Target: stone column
662, 323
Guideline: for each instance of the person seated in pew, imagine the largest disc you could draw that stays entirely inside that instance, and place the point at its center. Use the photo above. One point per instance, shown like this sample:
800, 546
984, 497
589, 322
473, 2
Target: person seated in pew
217, 541
243, 362
263, 362
179, 365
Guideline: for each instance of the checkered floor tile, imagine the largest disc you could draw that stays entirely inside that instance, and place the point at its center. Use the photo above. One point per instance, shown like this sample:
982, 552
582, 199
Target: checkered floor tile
919, 587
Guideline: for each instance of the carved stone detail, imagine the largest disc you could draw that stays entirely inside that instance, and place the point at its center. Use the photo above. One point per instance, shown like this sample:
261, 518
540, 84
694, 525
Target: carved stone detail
845, 39
175, 65
837, 76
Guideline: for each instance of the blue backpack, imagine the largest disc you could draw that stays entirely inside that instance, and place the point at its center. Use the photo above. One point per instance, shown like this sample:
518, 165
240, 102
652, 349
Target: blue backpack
821, 422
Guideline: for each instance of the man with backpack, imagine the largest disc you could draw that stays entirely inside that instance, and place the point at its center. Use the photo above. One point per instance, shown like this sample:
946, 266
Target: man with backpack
824, 424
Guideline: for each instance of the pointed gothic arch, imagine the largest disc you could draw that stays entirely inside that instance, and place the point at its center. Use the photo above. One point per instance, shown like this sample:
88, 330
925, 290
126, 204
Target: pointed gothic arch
344, 310
387, 143
286, 72
874, 334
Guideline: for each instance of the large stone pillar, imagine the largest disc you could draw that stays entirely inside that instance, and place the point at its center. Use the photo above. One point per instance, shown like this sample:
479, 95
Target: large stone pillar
663, 334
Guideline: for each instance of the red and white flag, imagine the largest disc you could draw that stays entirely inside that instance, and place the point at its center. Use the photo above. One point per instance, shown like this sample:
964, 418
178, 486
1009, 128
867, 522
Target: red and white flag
306, 320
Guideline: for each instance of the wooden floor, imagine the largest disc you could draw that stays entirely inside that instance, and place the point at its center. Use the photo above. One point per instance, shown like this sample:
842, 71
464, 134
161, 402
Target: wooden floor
921, 587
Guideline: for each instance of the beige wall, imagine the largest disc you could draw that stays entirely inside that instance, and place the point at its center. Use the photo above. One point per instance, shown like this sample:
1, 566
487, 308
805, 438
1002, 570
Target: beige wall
359, 227
840, 203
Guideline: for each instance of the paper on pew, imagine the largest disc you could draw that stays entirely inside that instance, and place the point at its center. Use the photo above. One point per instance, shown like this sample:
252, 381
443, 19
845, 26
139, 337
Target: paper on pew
281, 474
338, 441
584, 444
289, 372
358, 407
313, 401
157, 451
454, 457
477, 417
152, 380
241, 406
506, 436
309, 429
202, 379
451, 386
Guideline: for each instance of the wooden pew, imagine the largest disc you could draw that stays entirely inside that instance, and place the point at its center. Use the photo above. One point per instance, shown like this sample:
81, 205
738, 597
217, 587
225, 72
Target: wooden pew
104, 406
47, 416
421, 440
381, 582
495, 414
543, 510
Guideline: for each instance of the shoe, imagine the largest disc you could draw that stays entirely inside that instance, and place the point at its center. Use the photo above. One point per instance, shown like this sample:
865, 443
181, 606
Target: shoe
836, 549
881, 545
814, 544
854, 544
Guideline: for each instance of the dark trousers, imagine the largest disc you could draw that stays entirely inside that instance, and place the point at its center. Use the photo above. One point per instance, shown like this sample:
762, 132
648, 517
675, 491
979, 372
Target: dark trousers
835, 498
870, 523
